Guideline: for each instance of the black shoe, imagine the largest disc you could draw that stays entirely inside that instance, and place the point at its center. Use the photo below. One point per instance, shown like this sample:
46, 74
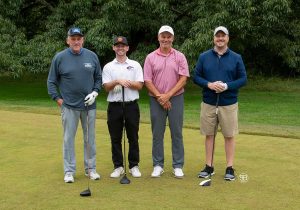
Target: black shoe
229, 174
206, 172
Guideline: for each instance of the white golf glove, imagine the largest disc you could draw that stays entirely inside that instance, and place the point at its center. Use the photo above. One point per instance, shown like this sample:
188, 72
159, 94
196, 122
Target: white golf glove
117, 88
225, 86
90, 98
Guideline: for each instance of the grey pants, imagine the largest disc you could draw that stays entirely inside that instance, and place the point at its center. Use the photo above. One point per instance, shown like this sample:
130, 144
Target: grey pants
158, 124
70, 119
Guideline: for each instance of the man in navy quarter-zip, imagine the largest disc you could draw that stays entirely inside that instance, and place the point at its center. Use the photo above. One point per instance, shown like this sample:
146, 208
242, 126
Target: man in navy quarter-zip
74, 81
220, 72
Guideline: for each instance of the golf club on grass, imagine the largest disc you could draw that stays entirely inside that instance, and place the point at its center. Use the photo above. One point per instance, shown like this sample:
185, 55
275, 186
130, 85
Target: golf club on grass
207, 182
124, 179
87, 192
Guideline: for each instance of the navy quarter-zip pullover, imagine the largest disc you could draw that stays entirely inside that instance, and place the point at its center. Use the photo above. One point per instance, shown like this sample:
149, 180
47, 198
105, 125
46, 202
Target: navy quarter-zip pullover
228, 68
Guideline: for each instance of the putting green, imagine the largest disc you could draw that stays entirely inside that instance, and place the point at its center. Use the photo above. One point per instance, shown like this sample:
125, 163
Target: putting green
31, 171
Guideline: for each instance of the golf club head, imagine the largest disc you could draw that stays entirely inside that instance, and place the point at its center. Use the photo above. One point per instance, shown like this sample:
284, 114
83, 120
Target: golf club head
124, 180
86, 193
205, 183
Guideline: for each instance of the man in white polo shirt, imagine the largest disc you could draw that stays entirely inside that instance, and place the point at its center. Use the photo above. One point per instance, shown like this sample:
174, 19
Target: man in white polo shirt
127, 73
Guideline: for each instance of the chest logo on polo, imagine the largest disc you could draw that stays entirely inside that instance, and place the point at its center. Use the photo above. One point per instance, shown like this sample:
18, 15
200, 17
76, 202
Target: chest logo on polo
88, 65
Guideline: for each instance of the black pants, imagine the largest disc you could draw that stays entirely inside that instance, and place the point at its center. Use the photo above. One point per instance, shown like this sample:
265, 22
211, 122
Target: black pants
115, 126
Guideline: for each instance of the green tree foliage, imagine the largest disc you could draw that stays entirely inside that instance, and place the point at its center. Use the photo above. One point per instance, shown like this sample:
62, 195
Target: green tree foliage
265, 32
12, 48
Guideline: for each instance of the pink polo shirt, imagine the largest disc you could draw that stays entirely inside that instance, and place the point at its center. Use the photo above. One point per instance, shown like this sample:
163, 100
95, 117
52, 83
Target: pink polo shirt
164, 70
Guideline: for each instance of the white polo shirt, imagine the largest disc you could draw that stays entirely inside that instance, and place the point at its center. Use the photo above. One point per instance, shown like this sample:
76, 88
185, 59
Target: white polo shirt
129, 70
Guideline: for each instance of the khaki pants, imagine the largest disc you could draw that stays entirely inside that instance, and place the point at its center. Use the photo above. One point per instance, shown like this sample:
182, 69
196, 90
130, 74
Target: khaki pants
227, 119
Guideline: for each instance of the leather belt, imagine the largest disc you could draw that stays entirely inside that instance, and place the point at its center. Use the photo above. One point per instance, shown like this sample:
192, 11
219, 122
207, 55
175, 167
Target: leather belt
125, 102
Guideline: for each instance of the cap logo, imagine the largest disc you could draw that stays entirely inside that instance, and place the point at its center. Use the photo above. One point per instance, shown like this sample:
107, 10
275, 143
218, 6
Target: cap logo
76, 30
120, 40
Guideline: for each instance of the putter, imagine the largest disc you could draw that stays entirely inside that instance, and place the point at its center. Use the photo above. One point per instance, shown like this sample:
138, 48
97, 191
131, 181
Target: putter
87, 192
207, 182
124, 179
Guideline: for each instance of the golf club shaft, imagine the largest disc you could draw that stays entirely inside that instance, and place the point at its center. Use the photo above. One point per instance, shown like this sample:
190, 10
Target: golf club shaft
215, 131
88, 144
217, 104
124, 131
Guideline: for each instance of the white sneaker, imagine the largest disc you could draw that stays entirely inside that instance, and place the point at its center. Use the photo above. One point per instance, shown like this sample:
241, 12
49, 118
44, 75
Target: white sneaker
178, 173
93, 175
69, 177
135, 171
157, 171
117, 172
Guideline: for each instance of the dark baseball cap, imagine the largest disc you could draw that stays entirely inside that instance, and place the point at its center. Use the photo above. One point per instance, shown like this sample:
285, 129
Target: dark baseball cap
75, 31
120, 40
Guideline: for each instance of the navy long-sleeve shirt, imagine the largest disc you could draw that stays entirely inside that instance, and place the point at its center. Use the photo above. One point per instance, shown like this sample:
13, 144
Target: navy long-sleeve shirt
228, 68
73, 76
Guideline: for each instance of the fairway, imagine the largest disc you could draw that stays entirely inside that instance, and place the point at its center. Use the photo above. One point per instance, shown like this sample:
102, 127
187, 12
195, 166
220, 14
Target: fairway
31, 171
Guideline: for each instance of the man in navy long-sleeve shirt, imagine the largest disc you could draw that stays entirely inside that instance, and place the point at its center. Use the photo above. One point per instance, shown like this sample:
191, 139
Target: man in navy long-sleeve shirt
220, 72
74, 82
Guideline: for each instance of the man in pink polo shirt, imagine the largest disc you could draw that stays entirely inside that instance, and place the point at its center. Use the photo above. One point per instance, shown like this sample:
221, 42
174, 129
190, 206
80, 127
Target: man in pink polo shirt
165, 74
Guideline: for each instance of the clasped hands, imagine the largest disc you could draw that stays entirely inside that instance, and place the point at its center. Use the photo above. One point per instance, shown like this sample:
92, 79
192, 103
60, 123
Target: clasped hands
218, 86
120, 83
164, 101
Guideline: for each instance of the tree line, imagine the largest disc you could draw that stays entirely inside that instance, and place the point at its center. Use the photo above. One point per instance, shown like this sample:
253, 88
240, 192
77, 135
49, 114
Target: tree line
265, 32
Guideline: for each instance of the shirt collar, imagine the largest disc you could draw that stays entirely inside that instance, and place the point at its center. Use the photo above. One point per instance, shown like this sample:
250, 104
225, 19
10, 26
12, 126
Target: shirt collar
158, 52
227, 51
71, 51
116, 61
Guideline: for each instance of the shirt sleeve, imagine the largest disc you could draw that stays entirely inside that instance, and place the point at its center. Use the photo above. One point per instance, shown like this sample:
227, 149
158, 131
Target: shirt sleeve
147, 69
106, 77
241, 75
139, 73
183, 66
198, 73
97, 76
53, 79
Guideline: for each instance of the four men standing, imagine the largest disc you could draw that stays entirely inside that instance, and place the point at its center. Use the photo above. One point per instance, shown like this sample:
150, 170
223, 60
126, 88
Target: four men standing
76, 73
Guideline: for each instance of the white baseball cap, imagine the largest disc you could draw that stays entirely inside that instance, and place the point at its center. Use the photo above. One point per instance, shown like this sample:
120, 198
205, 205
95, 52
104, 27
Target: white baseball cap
221, 28
166, 28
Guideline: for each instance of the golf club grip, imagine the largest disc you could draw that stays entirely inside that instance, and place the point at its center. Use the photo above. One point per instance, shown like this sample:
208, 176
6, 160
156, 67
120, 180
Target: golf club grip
123, 95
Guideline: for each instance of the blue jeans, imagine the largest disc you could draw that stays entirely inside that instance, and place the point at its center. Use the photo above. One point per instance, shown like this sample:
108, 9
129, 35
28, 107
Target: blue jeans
70, 119
158, 125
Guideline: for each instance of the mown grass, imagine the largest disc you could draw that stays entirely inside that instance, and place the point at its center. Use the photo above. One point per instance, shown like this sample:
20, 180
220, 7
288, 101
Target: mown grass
31, 154
267, 106
32, 174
